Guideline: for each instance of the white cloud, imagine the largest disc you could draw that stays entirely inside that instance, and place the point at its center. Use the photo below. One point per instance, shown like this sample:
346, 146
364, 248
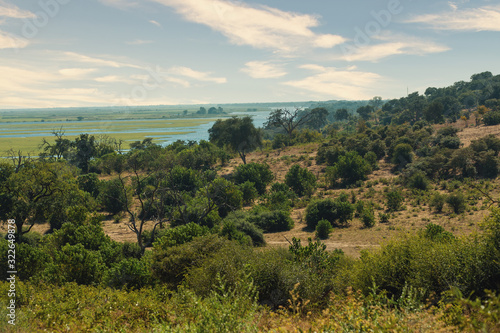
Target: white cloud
330, 82
485, 18
391, 45
76, 73
119, 3
155, 23
259, 27
72, 56
9, 41
139, 42
263, 70
12, 11
200, 76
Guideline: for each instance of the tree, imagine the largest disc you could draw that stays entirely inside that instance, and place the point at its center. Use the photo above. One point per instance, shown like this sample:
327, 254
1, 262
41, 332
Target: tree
341, 114
259, 174
300, 180
376, 102
365, 111
318, 118
239, 134
60, 149
434, 112
287, 120
85, 150
350, 168
39, 191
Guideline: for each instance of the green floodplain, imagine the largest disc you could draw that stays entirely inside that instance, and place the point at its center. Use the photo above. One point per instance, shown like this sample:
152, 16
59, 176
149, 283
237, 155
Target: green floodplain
24, 130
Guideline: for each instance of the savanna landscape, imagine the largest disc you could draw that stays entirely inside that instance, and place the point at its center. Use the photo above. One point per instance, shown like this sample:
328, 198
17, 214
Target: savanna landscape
363, 216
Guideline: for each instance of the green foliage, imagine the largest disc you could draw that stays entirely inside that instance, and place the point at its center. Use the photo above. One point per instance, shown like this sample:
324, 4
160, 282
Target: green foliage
239, 134
300, 180
437, 201
225, 195
402, 155
259, 174
271, 220
182, 179
394, 200
323, 229
244, 232
351, 168
492, 118
89, 183
169, 265
130, 273
179, 235
280, 197
457, 202
337, 212
437, 233
249, 192
368, 217
418, 181
112, 196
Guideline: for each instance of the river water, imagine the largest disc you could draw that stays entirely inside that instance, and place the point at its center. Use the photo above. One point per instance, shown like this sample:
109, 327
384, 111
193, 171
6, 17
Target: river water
195, 133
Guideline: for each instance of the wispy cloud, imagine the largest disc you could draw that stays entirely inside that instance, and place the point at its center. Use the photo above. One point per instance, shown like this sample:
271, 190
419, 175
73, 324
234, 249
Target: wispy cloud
9, 41
257, 26
389, 44
76, 73
97, 61
12, 11
158, 24
123, 4
193, 74
331, 82
485, 18
263, 70
139, 42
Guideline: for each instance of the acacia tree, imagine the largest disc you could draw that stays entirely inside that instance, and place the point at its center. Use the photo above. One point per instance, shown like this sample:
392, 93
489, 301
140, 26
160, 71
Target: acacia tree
37, 192
238, 134
288, 120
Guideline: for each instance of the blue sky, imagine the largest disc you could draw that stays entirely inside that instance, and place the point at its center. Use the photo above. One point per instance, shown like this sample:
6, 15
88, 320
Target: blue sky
64, 53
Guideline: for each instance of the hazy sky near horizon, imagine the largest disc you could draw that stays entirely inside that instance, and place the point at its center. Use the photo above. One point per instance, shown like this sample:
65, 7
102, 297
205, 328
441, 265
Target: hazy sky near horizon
64, 53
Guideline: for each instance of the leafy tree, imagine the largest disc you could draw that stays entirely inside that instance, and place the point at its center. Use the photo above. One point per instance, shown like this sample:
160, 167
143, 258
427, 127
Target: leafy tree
239, 134
300, 180
59, 149
394, 200
341, 114
323, 229
402, 155
85, 150
365, 111
318, 118
337, 212
350, 168
288, 120
434, 112
31, 195
226, 196
259, 174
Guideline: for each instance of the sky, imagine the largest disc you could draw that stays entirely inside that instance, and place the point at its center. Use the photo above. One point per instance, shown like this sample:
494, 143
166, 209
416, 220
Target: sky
75, 53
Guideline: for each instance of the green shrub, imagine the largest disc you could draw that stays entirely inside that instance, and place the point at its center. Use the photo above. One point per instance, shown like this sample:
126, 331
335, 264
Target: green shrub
338, 213
300, 180
491, 118
179, 235
437, 233
394, 200
351, 168
456, 201
259, 174
241, 230
323, 229
418, 181
368, 217
225, 195
112, 196
271, 221
402, 155
89, 183
130, 273
249, 192
383, 217
437, 201
169, 265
